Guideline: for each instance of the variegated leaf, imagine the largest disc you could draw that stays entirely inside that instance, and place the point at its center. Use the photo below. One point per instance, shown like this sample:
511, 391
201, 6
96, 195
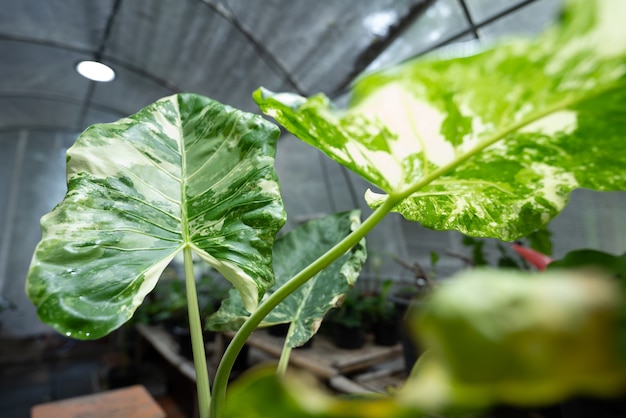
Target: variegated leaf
306, 307
184, 171
491, 144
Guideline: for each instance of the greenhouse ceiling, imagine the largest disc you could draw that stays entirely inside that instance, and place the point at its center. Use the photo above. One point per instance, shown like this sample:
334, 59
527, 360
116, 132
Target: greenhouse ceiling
224, 49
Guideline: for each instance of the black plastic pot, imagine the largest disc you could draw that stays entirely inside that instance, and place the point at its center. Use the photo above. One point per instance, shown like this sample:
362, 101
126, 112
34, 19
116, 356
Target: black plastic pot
182, 336
122, 376
386, 331
405, 306
350, 338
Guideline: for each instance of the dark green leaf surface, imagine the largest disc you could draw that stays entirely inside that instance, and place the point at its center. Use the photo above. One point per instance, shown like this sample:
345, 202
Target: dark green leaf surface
613, 264
184, 171
306, 307
491, 144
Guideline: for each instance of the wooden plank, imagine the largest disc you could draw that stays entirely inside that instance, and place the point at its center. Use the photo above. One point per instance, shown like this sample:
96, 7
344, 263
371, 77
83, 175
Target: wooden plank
345, 385
388, 370
134, 401
273, 346
324, 359
384, 383
369, 357
313, 365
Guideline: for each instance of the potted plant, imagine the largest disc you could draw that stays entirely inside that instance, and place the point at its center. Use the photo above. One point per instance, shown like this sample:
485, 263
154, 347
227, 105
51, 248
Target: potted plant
407, 300
489, 144
381, 314
166, 305
346, 322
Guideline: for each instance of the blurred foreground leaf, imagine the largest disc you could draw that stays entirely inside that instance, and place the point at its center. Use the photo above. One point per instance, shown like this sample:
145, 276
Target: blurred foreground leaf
518, 338
261, 394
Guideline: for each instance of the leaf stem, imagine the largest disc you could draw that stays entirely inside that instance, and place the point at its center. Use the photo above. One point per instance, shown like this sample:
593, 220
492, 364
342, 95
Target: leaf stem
286, 353
197, 343
238, 341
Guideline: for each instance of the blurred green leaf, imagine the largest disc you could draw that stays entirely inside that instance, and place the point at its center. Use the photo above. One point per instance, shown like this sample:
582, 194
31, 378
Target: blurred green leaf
541, 240
608, 263
519, 338
260, 393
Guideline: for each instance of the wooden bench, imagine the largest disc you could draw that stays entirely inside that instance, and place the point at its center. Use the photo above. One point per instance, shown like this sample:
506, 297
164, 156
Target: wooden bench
130, 402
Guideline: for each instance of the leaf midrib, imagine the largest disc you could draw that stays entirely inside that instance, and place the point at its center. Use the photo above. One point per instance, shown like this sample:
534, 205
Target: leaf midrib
184, 222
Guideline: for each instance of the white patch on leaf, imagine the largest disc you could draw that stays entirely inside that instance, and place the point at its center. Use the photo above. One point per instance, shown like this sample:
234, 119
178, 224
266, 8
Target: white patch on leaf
165, 126
565, 121
120, 159
479, 126
383, 162
374, 199
610, 28
268, 187
151, 277
415, 123
553, 180
233, 273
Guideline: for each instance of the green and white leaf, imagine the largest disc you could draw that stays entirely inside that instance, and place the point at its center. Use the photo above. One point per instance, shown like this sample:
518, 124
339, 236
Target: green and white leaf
306, 307
490, 144
184, 171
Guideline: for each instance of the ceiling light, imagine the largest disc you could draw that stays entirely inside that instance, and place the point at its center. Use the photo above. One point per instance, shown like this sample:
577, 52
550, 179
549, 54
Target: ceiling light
95, 71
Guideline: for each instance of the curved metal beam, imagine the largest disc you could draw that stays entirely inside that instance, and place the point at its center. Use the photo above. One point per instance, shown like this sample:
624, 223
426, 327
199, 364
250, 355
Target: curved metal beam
90, 52
58, 98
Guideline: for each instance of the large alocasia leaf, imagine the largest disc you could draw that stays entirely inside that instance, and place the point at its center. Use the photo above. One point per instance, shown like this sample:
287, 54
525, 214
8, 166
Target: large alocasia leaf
184, 171
305, 307
489, 144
